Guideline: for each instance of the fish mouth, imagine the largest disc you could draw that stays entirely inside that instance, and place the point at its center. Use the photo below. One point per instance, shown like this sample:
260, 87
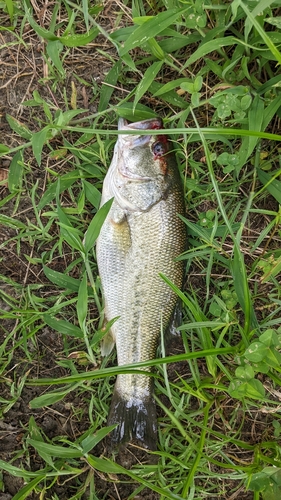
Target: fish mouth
133, 141
150, 123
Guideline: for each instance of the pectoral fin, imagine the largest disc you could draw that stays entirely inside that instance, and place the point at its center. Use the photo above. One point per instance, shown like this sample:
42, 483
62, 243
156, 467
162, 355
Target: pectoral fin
107, 343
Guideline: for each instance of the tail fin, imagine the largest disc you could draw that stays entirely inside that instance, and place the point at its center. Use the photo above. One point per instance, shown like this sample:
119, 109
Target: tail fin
136, 419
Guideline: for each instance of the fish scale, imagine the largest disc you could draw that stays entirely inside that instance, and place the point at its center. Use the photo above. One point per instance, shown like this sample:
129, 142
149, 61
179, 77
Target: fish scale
140, 238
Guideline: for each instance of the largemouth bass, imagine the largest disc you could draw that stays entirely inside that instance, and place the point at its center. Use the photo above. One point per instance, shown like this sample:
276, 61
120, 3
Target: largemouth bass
140, 238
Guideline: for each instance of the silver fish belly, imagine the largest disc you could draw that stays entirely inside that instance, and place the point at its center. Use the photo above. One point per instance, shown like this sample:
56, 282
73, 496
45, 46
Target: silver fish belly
140, 238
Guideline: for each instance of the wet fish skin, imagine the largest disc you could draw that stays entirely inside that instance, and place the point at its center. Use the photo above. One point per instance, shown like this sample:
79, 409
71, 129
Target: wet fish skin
141, 237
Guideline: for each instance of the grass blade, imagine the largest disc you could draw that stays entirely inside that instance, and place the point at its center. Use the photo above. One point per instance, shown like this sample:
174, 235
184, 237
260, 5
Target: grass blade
251, 19
82, 302
95, 225
109, 467
148, 77
152, 27
16, 172
38, 141
63, 326
135, 368
207, 47
270, 183
28, 488
108, 85
20, 128
62, 280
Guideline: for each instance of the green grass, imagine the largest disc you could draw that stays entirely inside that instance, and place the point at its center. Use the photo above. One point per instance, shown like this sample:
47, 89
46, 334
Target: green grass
212, 72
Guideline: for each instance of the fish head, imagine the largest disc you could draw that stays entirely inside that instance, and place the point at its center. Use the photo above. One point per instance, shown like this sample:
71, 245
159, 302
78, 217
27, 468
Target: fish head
142, 157
141, 170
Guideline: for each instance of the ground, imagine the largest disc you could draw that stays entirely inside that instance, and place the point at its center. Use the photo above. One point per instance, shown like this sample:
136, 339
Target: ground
31, 349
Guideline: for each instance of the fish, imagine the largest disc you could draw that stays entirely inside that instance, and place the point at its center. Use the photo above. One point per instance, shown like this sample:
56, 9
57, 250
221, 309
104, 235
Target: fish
140, 238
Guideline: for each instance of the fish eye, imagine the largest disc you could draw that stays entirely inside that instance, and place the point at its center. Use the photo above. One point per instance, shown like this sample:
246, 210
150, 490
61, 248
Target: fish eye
158, 149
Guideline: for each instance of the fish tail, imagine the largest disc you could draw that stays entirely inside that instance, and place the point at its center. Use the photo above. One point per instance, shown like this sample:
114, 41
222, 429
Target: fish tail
136, 419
